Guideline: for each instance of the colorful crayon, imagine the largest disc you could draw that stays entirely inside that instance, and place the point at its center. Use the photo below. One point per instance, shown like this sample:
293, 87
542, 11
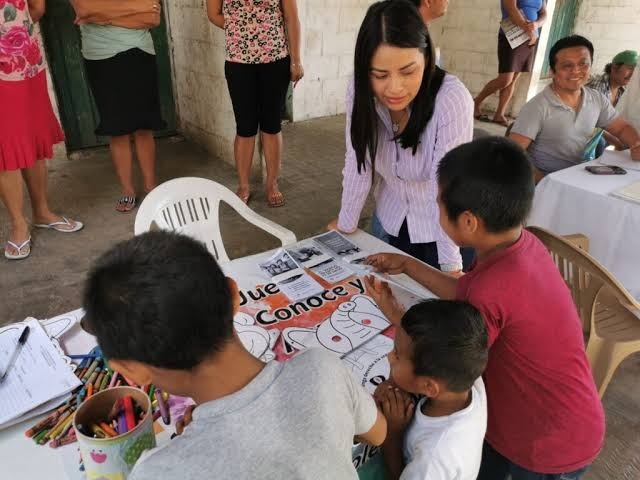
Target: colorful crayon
164, 408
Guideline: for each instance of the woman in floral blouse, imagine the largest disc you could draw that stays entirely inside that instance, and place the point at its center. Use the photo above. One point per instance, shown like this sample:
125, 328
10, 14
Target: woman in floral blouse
261, 59
28, 126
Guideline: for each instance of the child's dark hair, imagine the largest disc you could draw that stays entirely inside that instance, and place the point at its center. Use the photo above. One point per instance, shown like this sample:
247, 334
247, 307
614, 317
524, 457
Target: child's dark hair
568, 42
449, 342
161, 299
492, 177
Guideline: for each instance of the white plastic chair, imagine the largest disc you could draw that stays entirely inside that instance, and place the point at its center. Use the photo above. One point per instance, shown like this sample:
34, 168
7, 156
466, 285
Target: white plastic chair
190, 205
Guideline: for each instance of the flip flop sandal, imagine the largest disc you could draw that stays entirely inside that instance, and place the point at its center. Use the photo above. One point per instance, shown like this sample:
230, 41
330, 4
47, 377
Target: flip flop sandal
506, 123
126, 204
59, 226
275, 203
483, 118
26, 246
245, 198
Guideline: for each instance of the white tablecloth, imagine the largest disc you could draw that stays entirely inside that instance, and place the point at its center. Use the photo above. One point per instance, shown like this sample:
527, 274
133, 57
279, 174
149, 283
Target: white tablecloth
21, 459
576, 201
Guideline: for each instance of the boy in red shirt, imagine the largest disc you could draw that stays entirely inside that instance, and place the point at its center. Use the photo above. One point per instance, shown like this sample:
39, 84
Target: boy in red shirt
545, 418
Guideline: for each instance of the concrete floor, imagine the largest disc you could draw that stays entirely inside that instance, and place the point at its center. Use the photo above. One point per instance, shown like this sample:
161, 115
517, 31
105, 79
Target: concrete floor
49, 282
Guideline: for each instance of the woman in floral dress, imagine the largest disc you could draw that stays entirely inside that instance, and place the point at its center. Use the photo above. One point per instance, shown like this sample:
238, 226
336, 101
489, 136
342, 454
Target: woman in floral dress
261, 59
28, 126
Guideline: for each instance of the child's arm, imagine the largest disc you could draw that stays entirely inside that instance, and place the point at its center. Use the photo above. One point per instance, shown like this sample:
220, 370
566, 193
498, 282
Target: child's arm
376, 434
441, 284
398, 407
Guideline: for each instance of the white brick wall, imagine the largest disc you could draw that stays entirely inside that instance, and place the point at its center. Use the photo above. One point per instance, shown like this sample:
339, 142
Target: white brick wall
612, 26
205, 114
329, 30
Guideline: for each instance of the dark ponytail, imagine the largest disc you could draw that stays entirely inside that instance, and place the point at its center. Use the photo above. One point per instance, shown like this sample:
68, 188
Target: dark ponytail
399, 24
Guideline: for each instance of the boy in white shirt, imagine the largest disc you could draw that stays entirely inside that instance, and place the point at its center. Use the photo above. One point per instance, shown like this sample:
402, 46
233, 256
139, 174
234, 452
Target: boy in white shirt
440, 353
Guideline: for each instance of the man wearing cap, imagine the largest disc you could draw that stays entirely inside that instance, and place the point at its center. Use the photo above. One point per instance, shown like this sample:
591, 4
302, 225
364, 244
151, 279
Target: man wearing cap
557, 126
612, 84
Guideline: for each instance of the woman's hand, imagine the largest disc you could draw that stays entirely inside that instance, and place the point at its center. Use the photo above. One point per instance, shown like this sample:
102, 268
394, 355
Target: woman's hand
297, 72
384, 298
392, 263
333, 225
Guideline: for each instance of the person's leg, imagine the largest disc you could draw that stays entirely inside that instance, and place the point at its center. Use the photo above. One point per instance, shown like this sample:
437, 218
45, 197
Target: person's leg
146, 153
273, 82
12, 195
505, 97
243, 89
122, 160
243, 149
493, 466
499, 83
272, 148
36, 179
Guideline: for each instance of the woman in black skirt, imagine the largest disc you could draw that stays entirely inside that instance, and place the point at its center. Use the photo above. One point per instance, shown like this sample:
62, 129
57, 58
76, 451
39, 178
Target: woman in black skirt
121, 67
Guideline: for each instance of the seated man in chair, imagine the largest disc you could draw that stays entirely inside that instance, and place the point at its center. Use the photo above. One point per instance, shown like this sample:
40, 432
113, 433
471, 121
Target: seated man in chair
557, 125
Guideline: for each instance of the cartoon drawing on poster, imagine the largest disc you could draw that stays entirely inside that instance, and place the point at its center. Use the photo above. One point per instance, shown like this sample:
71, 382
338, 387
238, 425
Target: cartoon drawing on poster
369, 363
57, 326
353, 323
258, 341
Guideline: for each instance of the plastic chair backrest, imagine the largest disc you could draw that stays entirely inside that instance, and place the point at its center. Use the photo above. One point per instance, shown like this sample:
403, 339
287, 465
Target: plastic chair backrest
584, 275
190, 205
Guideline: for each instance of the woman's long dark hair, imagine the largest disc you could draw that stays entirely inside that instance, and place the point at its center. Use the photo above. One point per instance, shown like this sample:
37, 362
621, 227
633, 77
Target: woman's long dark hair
399, 24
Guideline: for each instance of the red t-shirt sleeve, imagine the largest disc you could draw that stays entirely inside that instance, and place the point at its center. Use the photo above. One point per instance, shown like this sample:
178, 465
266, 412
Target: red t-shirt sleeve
488, 307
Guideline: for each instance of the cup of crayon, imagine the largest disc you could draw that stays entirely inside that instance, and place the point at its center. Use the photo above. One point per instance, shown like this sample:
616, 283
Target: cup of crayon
113, 428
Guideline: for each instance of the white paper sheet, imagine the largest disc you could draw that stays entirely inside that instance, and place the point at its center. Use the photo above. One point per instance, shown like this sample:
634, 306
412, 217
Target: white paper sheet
340, 247
292, 280
307, 255
39, 374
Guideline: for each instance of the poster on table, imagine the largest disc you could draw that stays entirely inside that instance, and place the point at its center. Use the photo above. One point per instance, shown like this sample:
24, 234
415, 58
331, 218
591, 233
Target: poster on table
342, 319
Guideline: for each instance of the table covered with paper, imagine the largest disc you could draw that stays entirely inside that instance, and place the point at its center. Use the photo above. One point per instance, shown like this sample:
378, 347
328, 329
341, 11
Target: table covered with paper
602, 207
307, 295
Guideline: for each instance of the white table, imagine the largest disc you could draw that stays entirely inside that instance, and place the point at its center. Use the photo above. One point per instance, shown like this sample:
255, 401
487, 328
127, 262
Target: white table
576, 201
21, 459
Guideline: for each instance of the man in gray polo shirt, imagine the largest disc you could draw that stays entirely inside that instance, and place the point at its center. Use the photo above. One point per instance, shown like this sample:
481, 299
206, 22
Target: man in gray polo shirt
556, 125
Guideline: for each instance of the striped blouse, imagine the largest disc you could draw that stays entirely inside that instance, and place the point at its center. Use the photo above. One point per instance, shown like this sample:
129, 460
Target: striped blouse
406, 184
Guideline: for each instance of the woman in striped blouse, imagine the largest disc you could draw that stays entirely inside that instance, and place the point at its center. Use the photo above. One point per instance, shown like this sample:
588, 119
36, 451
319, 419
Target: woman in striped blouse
403, 114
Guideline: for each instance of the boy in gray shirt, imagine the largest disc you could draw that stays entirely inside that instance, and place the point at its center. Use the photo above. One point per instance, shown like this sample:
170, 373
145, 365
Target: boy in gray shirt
556, 125
253, 420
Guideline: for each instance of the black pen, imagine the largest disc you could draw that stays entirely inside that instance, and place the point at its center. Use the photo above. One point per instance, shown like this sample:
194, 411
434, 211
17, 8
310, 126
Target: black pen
21, 341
